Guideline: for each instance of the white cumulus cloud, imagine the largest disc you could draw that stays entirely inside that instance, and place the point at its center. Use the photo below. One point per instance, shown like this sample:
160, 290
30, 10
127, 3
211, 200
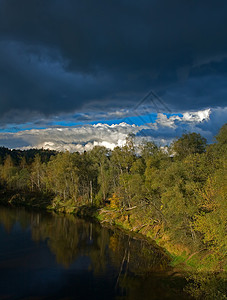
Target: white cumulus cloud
85, 137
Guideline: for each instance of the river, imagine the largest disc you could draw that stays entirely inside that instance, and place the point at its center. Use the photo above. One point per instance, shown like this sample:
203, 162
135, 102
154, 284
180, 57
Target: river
46, 256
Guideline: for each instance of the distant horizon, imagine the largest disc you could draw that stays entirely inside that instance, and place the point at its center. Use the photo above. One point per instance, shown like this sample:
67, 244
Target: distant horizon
163, 131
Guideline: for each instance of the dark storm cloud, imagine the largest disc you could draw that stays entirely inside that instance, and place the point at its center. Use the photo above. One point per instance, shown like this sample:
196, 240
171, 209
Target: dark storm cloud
60, 56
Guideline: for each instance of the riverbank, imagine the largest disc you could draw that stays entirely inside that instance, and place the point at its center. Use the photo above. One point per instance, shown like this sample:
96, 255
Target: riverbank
28, 199
182, 258
205, 280
88, 256
206, 276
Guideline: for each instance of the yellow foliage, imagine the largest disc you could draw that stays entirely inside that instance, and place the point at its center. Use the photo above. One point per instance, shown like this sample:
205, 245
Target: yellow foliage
114, 201
113, 243
208, 195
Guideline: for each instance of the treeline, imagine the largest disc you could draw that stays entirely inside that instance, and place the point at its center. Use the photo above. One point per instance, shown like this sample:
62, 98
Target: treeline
27, 155
172, 194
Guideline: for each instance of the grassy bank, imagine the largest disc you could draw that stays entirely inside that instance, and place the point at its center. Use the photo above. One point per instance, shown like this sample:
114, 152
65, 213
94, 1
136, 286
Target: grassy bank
204, 270
182, 256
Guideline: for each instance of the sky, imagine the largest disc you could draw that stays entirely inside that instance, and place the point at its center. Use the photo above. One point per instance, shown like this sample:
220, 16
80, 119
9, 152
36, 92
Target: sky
74, 74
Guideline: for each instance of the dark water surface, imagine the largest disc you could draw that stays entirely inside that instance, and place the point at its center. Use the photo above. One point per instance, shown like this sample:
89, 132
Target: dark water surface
45, 256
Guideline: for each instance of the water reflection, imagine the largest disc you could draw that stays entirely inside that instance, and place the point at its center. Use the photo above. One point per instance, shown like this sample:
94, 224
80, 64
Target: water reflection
56, 257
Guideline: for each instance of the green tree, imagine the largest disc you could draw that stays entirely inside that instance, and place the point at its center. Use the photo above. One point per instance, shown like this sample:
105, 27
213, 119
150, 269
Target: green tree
37, 174
222, 135
9, 173
62, 178
190, 143
100, 160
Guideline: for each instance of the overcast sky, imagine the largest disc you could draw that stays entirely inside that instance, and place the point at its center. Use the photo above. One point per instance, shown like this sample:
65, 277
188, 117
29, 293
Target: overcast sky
69, 63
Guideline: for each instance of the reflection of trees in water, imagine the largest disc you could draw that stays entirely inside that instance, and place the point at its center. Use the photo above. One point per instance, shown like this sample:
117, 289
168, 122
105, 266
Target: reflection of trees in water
143, 270
136, 255
69, 237
10, 216
131, 259
61, 238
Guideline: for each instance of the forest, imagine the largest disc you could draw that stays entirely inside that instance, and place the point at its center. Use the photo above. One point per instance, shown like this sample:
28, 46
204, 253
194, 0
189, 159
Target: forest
175, 195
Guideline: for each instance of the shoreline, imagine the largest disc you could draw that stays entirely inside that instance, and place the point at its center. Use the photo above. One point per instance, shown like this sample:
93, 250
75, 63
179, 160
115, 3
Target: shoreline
180, 259
204, 283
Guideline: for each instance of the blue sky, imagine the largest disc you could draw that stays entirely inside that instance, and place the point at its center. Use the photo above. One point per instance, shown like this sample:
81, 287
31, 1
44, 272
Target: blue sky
62, 122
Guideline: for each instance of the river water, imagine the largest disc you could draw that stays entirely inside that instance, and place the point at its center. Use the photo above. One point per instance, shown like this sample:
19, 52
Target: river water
45, 256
